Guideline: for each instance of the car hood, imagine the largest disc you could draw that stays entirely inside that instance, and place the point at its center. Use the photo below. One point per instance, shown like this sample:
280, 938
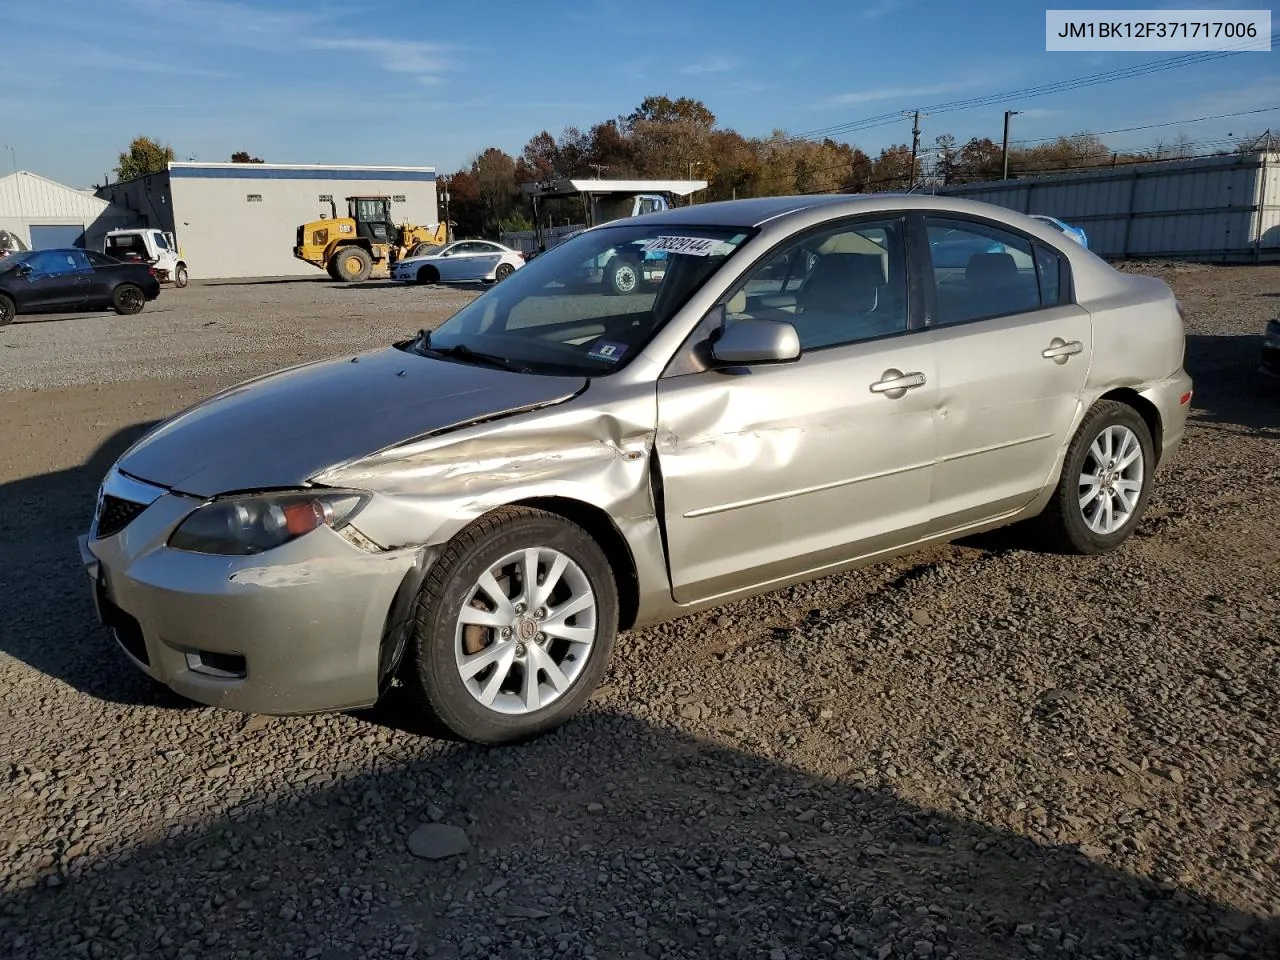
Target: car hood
282, 429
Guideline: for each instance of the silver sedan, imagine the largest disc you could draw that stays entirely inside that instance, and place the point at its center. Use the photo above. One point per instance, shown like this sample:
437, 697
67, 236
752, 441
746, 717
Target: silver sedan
815, 383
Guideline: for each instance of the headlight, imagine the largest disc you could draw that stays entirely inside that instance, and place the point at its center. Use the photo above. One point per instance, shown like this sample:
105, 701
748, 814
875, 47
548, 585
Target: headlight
243, 526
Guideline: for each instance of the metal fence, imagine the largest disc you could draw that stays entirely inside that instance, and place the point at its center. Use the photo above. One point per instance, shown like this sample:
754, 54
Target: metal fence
526, 241
1213, 209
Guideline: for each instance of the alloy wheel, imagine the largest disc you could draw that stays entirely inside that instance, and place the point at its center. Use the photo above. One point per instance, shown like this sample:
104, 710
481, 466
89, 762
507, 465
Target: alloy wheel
525, 631
1111, 479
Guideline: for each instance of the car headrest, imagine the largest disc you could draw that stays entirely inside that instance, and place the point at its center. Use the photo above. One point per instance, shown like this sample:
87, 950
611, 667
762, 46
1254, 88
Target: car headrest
737, 303
995, 268
843, 282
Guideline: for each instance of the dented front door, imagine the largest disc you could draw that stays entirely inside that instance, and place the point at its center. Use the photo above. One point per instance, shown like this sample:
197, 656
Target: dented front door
780, 470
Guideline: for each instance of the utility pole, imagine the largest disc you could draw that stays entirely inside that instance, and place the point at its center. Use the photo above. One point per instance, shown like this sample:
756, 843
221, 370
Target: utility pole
915, 116
598, 167
448, 235
17, 185
1004, 150
692, 164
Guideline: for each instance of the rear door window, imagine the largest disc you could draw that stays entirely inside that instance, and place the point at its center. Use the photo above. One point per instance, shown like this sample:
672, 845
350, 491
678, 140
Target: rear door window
980, 271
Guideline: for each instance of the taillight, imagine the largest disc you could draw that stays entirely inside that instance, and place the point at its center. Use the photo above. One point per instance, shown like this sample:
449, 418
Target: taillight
151, 271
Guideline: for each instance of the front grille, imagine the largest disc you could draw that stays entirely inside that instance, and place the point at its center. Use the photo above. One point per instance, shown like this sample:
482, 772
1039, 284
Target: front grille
116, 514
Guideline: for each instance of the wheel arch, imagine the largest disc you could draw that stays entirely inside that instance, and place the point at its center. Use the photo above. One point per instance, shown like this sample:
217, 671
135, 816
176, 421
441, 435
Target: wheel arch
602, 529
1147, 410
340, 245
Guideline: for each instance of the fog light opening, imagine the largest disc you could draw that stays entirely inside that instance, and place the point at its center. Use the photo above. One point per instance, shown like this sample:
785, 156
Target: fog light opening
224, 666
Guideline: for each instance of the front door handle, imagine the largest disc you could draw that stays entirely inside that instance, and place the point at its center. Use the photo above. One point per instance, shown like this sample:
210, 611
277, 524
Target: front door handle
1060, 351
894, 383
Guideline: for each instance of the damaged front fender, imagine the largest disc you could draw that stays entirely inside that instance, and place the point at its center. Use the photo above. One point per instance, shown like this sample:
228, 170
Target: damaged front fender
581, 452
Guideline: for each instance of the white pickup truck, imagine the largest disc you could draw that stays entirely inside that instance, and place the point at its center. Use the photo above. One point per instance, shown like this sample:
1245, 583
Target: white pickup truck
618, 271
156, 247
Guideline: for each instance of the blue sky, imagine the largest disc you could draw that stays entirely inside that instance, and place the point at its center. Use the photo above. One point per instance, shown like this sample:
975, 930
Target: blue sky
433, 83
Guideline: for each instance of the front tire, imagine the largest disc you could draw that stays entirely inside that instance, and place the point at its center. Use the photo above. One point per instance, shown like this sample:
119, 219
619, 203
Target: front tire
428, 275
353, 264
1106, 482
8, 310
180, 277
513, 628
128, 299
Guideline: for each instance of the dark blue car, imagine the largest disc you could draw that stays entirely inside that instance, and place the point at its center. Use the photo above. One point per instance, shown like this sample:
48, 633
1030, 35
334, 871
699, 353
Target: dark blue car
72, 280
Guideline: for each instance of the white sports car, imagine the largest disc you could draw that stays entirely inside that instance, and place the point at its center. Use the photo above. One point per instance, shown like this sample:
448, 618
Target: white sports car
463, 261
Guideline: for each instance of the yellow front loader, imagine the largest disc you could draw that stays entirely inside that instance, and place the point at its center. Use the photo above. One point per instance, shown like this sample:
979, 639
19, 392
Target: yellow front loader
349, 247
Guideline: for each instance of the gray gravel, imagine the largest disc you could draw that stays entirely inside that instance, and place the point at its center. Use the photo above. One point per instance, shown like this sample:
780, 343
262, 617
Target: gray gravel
221, 328
979, 751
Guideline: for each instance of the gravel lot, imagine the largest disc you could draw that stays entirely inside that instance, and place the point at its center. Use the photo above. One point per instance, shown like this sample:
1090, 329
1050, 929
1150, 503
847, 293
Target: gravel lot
975, 752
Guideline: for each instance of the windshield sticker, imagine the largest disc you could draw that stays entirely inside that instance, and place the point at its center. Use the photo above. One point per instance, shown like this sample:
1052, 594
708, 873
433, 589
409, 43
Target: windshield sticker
611, 352
689, 246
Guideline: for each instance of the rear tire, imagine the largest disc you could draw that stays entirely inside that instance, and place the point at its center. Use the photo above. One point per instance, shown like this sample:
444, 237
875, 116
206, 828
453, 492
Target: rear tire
180, 276
572, 596
352, 264
128, 299
331, 268
7, 310
504, 270
1106, 482
428, 275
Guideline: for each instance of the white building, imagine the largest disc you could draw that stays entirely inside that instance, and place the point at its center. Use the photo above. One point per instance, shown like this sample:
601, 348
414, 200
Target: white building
43, 214
241, 219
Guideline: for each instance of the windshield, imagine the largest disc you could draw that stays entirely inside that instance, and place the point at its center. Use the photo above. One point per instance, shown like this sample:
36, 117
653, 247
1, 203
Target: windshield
588, 305
11, 261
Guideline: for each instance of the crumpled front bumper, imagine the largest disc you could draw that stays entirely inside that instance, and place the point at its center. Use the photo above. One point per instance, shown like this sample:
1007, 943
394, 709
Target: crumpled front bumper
294, 630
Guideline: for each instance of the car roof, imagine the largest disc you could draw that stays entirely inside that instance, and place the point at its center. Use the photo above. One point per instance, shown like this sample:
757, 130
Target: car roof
758, 211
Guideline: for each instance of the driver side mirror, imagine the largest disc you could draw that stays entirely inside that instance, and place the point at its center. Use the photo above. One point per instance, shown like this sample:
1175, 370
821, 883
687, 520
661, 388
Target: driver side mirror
24, 270
751, 341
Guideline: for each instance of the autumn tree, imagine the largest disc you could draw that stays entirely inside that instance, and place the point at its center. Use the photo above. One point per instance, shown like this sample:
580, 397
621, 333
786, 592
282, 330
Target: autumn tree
892, 170
465, 208
540, 158
242, 156
144, 156
495, 175
979, 159
946, 157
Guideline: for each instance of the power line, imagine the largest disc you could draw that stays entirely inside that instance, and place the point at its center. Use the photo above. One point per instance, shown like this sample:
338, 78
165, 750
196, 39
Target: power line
1150, 126
1030, 169
1045, 89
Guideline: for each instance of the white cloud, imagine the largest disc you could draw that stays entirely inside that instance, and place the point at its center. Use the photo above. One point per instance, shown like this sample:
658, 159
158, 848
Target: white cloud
714, 65
882, 9
422, 61
905, 94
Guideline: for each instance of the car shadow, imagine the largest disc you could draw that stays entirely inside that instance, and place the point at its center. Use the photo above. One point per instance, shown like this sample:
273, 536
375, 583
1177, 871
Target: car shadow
610, 837
47, 619
1229, 390
264, 282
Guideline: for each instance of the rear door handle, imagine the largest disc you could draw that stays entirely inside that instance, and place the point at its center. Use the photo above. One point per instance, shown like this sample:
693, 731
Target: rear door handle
1059, 350
894, 383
